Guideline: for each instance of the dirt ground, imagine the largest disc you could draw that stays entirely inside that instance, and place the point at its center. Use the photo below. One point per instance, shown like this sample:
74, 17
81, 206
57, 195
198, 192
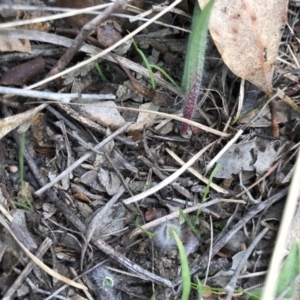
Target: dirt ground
93, 186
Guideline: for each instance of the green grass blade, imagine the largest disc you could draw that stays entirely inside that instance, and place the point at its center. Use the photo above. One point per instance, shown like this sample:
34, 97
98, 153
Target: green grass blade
216, 168
254, 294
190, 223
149, 233
147, 64
186, 276
153, 297
165, 74
199, 289
100, 73
289, 272
206, 191
142, 186
21, 205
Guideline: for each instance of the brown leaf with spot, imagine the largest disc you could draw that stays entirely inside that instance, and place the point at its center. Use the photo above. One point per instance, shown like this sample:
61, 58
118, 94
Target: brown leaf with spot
247, 34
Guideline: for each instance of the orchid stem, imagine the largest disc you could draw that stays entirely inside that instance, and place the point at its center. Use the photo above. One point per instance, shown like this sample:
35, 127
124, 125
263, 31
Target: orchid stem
194, 62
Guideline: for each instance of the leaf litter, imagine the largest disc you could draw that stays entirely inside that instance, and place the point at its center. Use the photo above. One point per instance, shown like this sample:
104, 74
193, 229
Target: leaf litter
90, 221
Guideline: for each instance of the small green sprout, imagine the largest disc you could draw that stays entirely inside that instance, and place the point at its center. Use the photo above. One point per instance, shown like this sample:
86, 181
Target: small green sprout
100, 73
218, 226
185, 272
147, 232
108, 282
150, 67
146, 62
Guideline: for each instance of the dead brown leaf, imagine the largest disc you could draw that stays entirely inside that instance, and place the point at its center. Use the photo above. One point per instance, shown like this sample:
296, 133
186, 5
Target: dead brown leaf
8, 44
22, 73
145, 120
247, 35
39, 131
10, 123
104, 113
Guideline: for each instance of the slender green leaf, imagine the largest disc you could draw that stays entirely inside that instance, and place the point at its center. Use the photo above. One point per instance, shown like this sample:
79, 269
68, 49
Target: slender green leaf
194, 61
186, 276
254, 295
142, 186
216, 168
190, 223
147, 64
21, 205
289, 272
199, 288
165, 74
153, 297
149, 233
100, 73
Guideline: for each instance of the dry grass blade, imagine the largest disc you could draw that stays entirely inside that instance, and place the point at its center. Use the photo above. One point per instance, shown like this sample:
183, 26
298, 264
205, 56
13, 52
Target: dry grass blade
172, 216
241, 99
5, 213
288, 100
176, 214
90, 49
287, 217
228, 145
168, 180
70, 13
82, 159
40, 263
109, 49
96, 221
177, 118
172, 117
198, 175
61, 97
39, 254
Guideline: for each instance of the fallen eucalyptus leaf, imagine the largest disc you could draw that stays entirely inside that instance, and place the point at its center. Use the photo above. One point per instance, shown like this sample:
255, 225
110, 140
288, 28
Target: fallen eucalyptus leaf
247, 34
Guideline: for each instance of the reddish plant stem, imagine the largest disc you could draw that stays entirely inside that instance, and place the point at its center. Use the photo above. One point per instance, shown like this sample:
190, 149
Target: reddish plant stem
191, 101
